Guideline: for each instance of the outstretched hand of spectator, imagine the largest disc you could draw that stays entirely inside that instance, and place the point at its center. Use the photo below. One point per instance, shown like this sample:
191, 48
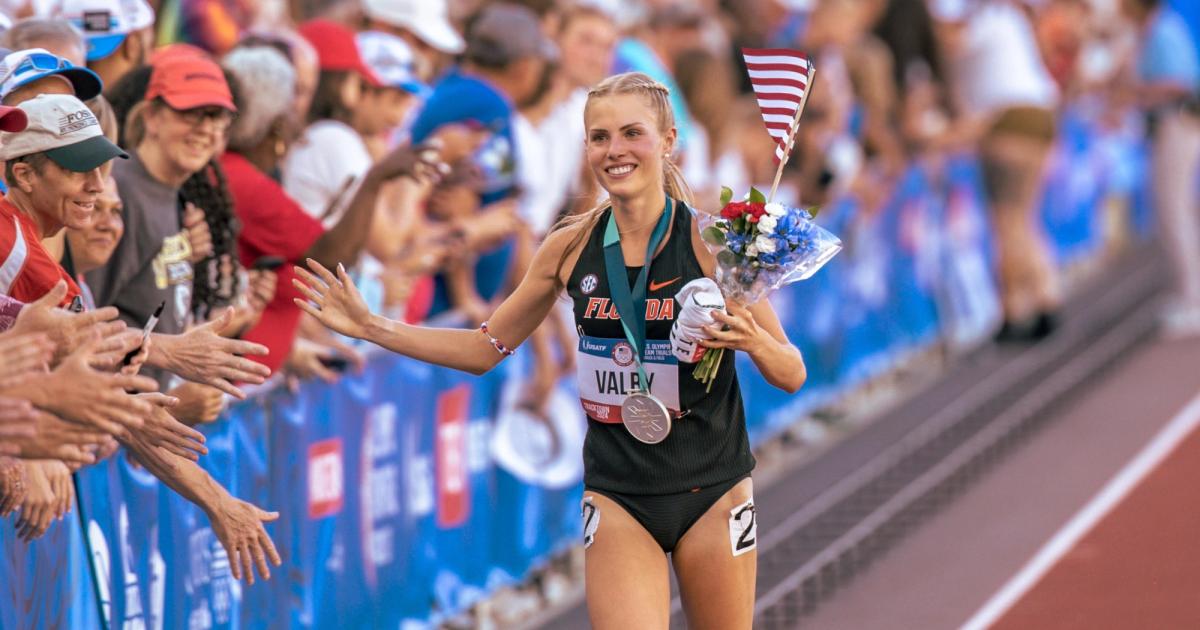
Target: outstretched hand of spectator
49, 497
96, 400
198, 404
66, 330
201, 355
53, 438
421, 162
456, 141
18, 419
24, 355
333, 300
161, 429
239, 527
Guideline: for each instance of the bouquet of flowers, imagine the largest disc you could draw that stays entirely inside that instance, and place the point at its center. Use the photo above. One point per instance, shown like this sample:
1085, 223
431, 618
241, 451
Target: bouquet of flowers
759, 247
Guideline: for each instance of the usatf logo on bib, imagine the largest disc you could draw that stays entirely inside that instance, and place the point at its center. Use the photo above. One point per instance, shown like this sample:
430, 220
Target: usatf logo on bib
589, 283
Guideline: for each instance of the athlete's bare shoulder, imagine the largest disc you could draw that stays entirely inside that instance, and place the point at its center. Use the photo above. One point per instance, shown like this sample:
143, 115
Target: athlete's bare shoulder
562, 247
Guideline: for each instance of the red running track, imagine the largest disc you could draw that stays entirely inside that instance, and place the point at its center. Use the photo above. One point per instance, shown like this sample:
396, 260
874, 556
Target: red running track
1129, 559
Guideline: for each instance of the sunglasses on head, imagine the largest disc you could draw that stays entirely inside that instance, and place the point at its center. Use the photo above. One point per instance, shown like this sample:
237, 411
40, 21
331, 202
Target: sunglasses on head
43, 62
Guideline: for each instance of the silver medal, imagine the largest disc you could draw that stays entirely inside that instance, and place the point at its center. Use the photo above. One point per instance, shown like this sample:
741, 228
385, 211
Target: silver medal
646, 418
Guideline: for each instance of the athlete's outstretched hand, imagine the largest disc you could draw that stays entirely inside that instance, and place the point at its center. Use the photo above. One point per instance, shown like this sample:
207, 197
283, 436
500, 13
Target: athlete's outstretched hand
333, 300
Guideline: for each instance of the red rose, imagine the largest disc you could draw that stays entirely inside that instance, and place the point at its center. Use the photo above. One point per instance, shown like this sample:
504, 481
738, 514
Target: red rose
734, 209
757, 210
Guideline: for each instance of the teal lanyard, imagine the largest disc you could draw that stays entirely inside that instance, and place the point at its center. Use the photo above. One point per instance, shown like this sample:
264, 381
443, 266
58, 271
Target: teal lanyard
631, 304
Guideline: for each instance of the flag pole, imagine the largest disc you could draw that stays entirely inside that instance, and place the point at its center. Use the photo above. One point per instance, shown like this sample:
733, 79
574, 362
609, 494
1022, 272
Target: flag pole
812, 73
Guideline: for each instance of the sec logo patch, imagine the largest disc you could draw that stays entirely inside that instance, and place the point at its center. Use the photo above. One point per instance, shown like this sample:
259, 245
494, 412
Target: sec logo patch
589, 283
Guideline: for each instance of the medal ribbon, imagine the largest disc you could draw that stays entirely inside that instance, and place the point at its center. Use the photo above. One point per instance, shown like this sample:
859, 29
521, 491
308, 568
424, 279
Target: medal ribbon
631, 303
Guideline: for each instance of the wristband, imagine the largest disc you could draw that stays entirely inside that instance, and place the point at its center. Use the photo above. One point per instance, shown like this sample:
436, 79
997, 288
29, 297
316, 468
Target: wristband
496, 343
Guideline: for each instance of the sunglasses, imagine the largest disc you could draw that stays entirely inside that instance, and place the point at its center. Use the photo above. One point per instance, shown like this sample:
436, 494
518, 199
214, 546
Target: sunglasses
42, 62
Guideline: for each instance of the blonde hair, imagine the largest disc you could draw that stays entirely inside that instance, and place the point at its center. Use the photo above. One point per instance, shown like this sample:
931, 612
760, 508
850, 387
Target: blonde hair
658, 97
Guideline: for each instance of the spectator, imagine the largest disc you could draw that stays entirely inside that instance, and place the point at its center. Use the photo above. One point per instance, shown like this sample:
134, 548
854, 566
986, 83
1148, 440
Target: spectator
54, 173
551, 165
176, 130
55, 35
1168, 86
119, 34
1007, 102
423, 24
385, 107
322, 170
501, 70
275, 224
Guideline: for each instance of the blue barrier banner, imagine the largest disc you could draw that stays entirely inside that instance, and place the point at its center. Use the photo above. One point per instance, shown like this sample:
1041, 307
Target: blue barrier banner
408, 493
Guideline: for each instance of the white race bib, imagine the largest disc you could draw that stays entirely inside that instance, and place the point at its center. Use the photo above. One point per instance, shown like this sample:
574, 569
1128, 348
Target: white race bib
608, 374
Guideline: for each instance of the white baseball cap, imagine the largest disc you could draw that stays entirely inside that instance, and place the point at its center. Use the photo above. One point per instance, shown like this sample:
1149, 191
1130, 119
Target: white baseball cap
391, 59
63, 128
427, 19
22, 67
106, 23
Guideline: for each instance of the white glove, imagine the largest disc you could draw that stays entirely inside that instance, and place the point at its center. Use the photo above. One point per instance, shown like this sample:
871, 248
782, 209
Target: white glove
697, 299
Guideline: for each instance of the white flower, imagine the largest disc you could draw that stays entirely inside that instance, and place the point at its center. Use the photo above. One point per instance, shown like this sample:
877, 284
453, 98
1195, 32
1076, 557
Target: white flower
776, 209
767, 224
752, 250
764, 244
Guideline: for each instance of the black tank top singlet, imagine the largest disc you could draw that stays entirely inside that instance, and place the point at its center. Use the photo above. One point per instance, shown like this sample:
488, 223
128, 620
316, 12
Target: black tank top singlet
708, 444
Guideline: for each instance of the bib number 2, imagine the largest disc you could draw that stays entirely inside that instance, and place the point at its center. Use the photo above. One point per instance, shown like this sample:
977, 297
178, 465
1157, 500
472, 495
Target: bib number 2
743, 528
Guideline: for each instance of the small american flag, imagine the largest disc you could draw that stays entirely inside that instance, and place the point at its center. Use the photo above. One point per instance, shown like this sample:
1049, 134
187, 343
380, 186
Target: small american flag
780, 78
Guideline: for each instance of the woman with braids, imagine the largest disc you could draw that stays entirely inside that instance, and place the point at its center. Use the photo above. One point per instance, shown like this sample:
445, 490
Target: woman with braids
688, 494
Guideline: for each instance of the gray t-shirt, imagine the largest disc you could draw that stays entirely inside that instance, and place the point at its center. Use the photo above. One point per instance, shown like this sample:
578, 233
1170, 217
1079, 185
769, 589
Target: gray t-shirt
150, 264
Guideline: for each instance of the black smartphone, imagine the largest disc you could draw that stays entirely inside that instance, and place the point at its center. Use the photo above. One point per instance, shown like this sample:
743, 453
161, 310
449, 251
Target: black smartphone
146, 330
337, 364
268, 263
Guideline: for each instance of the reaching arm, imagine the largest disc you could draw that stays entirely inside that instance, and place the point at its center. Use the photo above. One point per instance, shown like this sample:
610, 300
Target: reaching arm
237, 524
335, 302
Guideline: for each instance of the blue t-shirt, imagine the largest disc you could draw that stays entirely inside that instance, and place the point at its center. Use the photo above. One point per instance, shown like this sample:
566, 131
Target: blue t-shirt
459, 98
1168, 54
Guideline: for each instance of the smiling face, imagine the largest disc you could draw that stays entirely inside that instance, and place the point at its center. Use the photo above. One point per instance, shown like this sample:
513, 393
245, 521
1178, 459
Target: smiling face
186, 140
56, 196
625, 145
93, 245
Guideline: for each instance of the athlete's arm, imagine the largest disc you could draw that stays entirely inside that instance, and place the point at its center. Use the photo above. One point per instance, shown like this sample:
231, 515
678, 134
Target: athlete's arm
754, 330
335, 302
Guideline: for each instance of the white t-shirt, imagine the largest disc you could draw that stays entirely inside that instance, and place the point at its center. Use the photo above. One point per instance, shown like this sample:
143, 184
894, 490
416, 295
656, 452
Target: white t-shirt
551, 159
326, 164
1001, 65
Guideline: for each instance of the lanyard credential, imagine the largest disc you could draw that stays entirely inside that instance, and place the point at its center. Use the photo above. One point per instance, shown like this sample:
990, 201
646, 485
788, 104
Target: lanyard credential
631, 304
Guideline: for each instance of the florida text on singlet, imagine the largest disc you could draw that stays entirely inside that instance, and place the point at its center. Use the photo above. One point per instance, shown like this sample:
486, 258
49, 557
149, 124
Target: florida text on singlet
708, 442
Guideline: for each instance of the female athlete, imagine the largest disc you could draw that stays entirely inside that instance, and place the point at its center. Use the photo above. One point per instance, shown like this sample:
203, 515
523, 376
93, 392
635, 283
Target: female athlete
667, 464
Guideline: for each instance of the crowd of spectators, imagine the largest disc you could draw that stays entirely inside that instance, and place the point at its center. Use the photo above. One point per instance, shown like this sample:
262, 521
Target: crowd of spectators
176, 170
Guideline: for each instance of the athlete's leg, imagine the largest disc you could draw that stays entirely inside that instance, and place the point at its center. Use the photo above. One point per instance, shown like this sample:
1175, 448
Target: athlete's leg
717, 586
625, 570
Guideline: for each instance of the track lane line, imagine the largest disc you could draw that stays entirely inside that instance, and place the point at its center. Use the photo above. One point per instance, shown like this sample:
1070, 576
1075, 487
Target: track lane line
1117, 488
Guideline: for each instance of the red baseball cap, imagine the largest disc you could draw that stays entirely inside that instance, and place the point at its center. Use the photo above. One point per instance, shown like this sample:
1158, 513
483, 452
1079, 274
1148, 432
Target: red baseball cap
188, 82
12, 118
336, 48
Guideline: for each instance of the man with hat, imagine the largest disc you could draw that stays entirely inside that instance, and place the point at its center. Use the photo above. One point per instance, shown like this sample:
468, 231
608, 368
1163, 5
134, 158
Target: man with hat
53, 171
502, 68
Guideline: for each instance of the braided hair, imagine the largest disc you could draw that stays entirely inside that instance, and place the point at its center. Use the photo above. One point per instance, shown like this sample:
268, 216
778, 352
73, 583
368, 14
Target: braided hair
216, 281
